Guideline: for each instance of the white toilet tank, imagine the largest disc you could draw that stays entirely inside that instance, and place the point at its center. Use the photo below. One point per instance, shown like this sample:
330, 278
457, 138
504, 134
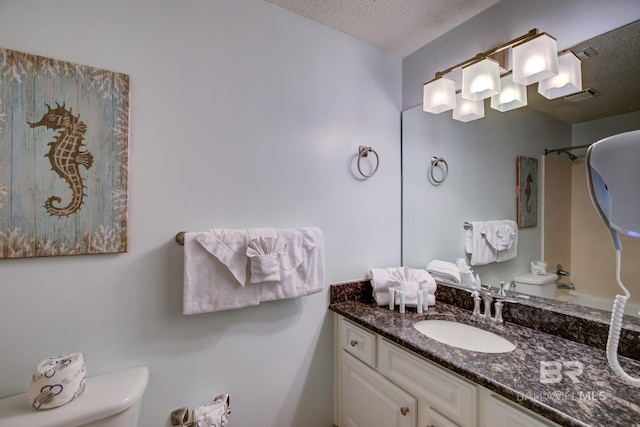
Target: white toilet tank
109, 400
536, 284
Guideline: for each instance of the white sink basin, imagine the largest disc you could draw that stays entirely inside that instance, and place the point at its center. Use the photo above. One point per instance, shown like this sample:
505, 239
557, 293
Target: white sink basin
464, 336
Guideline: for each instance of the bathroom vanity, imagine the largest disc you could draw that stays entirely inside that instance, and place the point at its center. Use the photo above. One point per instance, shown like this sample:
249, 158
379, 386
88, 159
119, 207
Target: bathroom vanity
389, 374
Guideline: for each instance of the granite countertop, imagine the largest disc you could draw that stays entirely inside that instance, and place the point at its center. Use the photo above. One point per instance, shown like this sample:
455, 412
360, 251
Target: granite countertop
597, 398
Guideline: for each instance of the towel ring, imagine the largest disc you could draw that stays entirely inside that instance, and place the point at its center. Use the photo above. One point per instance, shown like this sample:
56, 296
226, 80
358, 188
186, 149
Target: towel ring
435, 161
364, 152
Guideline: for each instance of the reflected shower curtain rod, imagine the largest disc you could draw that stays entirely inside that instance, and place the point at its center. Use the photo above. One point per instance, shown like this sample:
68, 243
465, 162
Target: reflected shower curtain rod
565, 149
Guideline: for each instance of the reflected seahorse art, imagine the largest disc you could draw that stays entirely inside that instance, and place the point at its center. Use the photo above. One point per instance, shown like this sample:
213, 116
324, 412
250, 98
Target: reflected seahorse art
66, 156
527, 192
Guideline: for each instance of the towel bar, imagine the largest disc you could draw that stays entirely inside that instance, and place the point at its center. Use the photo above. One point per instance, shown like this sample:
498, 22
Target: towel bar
180, 238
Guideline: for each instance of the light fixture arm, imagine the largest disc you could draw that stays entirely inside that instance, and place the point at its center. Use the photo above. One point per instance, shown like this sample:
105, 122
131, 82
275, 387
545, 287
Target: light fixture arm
525, 37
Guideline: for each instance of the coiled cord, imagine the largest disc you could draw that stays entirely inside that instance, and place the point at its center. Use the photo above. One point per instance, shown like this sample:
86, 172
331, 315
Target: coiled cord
616, 326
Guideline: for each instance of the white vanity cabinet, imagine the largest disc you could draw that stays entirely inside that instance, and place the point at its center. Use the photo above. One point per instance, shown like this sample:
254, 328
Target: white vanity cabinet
379, 383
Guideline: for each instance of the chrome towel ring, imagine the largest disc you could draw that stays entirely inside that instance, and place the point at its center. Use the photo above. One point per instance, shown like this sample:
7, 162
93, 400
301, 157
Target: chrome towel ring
364, 152
437, 161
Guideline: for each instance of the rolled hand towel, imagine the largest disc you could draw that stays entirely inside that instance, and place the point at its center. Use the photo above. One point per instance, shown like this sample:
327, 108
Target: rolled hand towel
57, 380
264, 255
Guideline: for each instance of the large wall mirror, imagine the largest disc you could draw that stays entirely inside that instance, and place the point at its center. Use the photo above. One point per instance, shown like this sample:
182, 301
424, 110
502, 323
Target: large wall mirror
480, 186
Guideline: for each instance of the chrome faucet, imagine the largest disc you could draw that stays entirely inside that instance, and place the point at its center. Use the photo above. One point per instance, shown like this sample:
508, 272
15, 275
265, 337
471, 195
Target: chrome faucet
486, 296
561, 285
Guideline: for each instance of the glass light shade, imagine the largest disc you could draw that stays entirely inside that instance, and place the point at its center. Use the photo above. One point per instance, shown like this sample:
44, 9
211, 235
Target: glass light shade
568, 80
439, 95
481, 80
535, 60
466, 110
511, 96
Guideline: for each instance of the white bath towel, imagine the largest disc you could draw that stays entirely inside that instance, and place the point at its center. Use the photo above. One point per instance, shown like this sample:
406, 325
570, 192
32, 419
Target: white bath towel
491, 241
481, 252
301, 265
408, 279
215, 283
229, 246
444, 271
502, 236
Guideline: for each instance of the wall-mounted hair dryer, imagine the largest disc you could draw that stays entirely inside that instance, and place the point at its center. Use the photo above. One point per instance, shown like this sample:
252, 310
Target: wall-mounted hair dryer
613, 175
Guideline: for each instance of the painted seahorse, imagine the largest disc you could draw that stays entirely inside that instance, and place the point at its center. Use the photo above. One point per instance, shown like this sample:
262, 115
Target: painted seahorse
66, 156
527, 192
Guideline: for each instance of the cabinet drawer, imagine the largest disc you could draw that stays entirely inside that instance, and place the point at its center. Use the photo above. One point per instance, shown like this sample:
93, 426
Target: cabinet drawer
358, 341
453, 397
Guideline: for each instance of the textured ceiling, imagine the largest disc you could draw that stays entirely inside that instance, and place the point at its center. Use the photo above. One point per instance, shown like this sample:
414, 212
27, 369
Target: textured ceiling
612, 72
399, 27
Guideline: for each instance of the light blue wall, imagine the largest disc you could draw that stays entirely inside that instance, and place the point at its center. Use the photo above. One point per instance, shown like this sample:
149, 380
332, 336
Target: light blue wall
242, 115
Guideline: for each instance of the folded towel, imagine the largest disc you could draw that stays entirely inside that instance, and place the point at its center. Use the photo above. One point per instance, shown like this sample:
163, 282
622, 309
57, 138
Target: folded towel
444, 271
405, 278
215, 283
491, 241
301, 265
57, 380
500, 234
217, 267
264, 255
229, 246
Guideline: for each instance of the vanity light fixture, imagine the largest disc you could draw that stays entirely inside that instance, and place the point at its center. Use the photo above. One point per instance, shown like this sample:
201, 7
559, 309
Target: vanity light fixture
534, 57
480, 80
439, 95
466, 110
568, 80
512, 95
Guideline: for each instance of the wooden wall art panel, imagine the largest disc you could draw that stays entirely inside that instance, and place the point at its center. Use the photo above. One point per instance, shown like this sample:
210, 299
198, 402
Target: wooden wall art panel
64, 157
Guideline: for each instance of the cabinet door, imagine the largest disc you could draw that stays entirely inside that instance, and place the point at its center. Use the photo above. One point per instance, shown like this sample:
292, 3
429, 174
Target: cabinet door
429, 417
450, 395
497, 413
370, 400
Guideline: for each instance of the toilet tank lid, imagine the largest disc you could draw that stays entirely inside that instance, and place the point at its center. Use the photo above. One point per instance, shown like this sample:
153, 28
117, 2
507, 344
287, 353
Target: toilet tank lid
529, 278
104, 395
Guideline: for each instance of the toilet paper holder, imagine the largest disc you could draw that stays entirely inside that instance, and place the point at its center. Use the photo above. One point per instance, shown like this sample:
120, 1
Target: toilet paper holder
180, 416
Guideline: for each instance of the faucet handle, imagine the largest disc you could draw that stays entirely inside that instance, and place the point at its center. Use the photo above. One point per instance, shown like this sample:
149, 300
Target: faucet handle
560, 271
503, 291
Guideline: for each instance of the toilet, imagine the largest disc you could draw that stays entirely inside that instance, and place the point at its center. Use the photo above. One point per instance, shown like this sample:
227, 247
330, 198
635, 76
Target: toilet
540, 285
109, 400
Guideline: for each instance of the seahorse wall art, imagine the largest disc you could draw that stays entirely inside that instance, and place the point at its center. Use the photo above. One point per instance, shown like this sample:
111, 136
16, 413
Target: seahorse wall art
66, 156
